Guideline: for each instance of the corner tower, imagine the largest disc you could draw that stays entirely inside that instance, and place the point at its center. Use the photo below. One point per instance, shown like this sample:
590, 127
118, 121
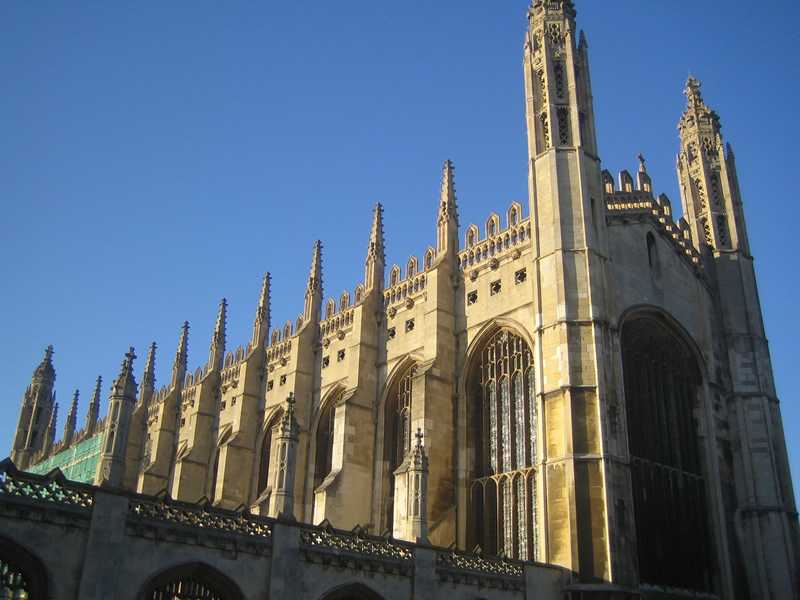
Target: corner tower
765, 518
34, 417
571, 313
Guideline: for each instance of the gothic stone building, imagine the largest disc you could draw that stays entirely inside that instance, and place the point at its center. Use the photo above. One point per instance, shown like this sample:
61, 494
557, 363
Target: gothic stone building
589, 376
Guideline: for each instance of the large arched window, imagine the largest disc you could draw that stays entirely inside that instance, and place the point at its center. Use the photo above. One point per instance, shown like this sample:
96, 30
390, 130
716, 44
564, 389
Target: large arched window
502, 438
323, 460
662, 379
192, 582
397, 433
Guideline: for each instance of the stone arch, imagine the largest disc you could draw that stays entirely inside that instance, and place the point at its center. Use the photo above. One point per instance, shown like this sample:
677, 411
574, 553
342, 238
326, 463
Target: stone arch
193, 581
262, 475
500, 434
390, 417
352, 591
21, 571
663, 380
323, 435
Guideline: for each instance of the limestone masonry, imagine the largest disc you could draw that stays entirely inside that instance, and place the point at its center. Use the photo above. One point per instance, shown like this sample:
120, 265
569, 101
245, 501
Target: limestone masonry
574, 400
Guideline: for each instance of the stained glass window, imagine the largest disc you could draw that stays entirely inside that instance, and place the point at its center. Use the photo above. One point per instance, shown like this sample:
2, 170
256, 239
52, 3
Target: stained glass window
503, 429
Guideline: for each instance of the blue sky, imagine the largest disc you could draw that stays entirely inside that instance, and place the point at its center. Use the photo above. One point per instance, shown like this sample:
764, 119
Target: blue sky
155, 157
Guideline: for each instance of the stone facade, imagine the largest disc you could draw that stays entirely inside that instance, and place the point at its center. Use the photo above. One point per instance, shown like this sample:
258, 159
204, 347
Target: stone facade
590, 376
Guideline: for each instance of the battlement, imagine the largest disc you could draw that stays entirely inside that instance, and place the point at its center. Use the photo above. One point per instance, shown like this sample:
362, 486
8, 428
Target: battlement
634, 204
498, 242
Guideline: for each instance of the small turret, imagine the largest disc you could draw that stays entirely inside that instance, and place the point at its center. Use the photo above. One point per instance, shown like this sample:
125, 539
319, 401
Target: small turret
111, 466
37, 404
262, 321
376, 256
217, 352
447, 222
72, 419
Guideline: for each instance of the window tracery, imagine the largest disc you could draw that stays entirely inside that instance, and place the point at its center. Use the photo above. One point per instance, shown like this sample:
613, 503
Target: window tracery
397, 431
661, 380
502, 432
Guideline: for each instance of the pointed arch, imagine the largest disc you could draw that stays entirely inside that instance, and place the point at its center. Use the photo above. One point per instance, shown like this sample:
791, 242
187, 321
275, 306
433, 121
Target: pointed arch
394, 276
359, 294
330, 308
514, 215
428, 260
663, 382
21, 572
191, 581
264, 479
324, 429
472, 236
352, 591
501, 432
492, 225
395, 423
412, 267
344, 300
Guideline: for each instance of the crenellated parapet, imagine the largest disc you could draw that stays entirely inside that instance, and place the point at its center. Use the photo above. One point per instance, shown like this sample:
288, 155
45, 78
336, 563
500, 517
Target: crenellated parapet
498, 243
636, 203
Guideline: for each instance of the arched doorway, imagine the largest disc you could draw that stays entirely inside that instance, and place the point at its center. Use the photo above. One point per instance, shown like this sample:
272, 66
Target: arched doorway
22, 575
501, 440
194, 581
356, 591
662, 383
396, 434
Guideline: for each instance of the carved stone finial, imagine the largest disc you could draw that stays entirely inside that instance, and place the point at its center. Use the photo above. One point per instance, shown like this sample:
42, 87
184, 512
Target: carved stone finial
692, 91
419, 435
642, 163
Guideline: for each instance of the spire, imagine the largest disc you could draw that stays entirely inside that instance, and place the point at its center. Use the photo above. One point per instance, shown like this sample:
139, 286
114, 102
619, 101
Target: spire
447, 204
447, 223
72, 418
148, 377
376, 255
125, 384
217, 351
45, 371
179, 364
94, 407
315, 273
262, 321
313, 301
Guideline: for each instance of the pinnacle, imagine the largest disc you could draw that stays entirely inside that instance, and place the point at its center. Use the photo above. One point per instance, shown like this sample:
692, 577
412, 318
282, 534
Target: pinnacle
376, 241
125, 384
150, 365
447, 203
315, 274
692, 91
45, 368
263, 300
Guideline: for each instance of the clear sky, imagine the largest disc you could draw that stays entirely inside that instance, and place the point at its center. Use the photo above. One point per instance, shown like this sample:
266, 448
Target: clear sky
156, 156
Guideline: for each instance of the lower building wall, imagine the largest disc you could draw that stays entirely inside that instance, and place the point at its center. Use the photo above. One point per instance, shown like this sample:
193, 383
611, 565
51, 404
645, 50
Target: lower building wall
80, 542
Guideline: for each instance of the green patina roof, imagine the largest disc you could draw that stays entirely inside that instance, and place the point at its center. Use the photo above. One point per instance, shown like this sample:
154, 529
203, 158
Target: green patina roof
78, 462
